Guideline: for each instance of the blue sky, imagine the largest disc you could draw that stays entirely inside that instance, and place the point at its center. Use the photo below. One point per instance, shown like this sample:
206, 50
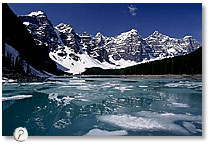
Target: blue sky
175, 20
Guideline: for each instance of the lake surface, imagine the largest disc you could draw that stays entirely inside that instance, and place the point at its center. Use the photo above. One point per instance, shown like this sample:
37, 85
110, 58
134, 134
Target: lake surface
104, 106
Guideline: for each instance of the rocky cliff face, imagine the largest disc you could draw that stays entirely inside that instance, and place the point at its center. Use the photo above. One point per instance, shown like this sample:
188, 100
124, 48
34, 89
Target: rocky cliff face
41, 29
165, 46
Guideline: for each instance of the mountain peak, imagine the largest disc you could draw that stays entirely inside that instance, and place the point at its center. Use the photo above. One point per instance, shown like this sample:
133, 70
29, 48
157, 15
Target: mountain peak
65, 28
99, 34
36, 13
156, 33
85, 34
134, 30
63, 25
187, 37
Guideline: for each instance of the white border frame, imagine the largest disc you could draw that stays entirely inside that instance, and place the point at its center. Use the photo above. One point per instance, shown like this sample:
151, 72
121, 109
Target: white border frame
122, 140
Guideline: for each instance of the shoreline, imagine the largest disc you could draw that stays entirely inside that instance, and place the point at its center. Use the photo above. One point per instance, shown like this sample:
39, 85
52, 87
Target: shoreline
197, 76
39, 79
21, 79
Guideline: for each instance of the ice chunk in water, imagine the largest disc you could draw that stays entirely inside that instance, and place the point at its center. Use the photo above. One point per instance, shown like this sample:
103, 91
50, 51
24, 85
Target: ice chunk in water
17, 97
147, 120
99, 132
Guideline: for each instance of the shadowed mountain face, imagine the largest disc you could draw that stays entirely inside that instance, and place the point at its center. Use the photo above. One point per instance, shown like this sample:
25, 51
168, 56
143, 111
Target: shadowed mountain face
76, 52
16, 35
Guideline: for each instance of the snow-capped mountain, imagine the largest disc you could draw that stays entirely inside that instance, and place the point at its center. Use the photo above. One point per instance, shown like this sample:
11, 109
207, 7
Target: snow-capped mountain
165, 46
41, 29
76, 52
127, 46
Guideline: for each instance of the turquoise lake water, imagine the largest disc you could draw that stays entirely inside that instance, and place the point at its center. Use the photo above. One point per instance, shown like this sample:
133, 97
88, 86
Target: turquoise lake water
103, 107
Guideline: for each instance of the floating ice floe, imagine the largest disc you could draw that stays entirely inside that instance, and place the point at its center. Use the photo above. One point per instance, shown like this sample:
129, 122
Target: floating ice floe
191, 127
124, 88
64, 100
186, 84
182, 105
154, 121
35, 83
17, 97
143, 86
99, 132
63, 123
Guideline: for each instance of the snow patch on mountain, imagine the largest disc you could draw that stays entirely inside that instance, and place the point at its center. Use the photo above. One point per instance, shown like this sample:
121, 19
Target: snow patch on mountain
36, 13
75, 64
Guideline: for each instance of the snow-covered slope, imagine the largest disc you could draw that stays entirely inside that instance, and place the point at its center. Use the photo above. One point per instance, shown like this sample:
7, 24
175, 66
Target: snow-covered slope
74, 52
